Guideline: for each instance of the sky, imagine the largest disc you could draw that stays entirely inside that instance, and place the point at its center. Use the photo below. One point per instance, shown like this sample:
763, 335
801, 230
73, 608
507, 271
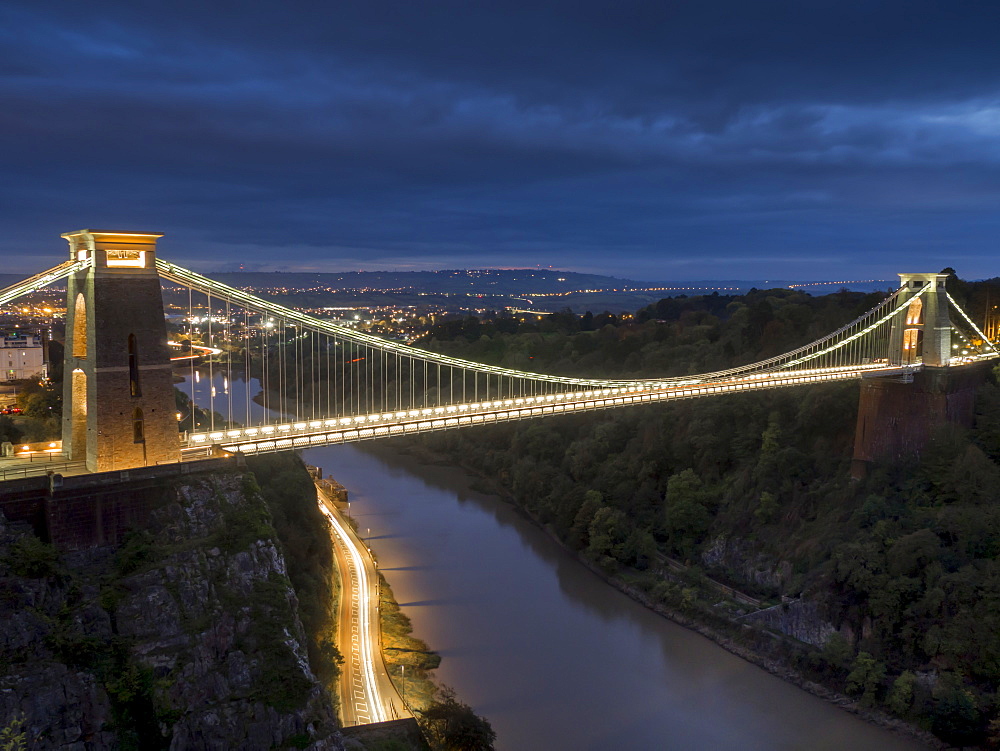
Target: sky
650, 140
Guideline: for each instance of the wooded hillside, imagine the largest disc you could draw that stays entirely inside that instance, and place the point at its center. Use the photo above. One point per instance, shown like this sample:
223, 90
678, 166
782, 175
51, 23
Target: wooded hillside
904, 563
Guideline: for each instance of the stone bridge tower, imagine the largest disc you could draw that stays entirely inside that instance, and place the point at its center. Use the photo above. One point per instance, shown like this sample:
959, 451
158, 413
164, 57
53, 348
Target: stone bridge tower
118, 392
923, 331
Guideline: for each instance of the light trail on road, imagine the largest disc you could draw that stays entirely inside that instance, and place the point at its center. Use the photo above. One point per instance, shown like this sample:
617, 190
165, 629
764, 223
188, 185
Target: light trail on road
360, 654
362, 697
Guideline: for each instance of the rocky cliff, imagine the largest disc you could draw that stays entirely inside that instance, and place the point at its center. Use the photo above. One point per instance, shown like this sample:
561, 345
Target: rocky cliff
185, 637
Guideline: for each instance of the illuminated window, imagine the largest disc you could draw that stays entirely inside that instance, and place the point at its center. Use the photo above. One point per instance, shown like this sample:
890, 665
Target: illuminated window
914, 313
138, 427
133, 366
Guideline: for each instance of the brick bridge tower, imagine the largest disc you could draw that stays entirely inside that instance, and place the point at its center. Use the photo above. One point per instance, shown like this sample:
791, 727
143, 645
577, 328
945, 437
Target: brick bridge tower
897, 416
118, 392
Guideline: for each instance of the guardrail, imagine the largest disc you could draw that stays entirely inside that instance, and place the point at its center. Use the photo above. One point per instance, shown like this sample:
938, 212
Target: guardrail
39, 468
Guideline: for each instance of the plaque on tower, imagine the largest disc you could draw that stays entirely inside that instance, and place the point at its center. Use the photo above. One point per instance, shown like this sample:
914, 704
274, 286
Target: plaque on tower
135, 259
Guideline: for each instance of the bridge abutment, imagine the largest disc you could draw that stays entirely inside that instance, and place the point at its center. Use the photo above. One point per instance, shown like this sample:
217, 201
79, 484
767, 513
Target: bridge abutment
896, 419
118, 395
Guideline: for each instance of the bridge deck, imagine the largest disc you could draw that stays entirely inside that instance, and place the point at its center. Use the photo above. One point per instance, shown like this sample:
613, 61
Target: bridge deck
313, 433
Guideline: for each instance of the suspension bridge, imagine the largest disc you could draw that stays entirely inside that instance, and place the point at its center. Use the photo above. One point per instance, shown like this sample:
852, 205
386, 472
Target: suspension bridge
324, 383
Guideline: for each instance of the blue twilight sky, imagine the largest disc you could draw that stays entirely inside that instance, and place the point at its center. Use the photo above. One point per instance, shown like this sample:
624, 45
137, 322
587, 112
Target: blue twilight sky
655, 140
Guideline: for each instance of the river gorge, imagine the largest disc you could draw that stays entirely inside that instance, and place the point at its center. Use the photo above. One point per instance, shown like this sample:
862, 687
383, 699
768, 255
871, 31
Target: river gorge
552, 655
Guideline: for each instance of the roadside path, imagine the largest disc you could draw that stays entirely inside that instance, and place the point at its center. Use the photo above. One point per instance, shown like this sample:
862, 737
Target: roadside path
367, 694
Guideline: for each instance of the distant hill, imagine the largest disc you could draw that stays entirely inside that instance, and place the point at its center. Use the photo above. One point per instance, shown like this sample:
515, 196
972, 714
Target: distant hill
588, 289
513, 281
492, 281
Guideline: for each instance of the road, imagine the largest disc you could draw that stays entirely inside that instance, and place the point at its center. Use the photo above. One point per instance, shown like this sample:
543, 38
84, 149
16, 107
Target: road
367, 694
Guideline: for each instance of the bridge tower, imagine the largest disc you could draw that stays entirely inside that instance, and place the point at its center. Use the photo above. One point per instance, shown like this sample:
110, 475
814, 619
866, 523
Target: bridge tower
898, 416
118, 393
923, 332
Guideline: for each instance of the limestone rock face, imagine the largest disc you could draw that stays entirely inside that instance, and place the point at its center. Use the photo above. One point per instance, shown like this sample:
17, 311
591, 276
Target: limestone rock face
186, 637
741, 560
800, 619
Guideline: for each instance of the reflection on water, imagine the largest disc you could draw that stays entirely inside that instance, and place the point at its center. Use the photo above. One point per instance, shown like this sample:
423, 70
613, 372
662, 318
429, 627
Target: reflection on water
228, 398
554, 657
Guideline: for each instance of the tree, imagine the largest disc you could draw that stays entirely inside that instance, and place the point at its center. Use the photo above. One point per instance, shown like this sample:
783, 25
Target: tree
767, 507
955, 716
865, 678
687, 516
13, 735
639, 549
42, 401
450, 725
837, 651
580, 532
9, 430
900, 697
607, 533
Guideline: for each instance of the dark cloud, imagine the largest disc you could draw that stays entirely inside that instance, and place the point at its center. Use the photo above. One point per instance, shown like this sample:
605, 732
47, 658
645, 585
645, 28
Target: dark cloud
654, 139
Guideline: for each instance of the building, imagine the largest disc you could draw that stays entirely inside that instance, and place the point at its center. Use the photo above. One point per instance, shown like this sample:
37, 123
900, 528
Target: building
21, 356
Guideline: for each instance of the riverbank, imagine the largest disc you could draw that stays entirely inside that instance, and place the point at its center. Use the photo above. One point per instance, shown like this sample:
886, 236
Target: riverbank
408, 659
699, 613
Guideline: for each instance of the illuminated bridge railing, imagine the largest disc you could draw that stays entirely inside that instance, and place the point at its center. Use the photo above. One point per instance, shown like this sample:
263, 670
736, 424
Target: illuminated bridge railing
311, 433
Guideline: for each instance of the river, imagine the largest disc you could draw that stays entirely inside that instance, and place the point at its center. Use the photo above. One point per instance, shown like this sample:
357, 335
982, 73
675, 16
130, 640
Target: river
553, 656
